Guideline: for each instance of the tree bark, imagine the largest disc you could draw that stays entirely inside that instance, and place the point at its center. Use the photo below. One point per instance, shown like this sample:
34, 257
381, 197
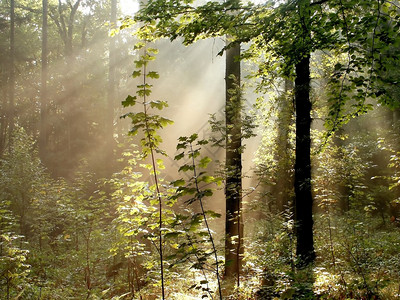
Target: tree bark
302, 182
233, 167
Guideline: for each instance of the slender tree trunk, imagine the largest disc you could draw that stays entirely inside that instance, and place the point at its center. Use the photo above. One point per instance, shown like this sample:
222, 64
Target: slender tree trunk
88, 271
284, 179
8, 281
111, 68
72, 81
3, 111
129, 277
233, 166
3, 125
43, 104
109, 124
11, 102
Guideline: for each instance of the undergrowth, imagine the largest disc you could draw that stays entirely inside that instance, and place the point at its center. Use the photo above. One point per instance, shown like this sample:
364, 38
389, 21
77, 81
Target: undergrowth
360, 261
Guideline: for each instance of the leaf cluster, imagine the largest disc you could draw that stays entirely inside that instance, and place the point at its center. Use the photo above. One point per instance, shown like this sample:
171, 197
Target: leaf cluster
189, 148
144, 121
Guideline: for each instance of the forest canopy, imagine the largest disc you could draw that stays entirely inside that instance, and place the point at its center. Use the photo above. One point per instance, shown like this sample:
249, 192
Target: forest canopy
181, 149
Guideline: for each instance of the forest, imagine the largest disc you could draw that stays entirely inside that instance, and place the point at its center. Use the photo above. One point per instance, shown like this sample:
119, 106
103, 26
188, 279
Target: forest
199, 149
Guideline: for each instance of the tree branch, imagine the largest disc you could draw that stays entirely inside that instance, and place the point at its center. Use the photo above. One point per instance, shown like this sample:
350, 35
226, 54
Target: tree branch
318, 2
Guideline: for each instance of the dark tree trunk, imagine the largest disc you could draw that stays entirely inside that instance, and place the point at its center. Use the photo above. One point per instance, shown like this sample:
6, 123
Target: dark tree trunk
302, 179
233, 166
302, 183
44, 128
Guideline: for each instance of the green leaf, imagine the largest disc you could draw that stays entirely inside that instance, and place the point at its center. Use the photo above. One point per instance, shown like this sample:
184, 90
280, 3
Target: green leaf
143, 92
338, 66
207, 193
160, 164
153, 75
218, 180
139, 63
179, 182
207, 179
136, 73
204, 162
194, 154
139, 45
185, 168
189, 191
158, 104
181, 146
152, 50
129, 101
179, 156
202, 142
164, 122
172, 234
193, 137
133, 131
148, 58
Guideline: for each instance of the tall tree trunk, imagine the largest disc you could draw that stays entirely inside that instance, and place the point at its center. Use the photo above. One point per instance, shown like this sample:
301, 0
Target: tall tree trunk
233, 166
284, 179
67, 146
72, 81
109, 122
394, 207
43, 104
302, 182
3, 125
11, 95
